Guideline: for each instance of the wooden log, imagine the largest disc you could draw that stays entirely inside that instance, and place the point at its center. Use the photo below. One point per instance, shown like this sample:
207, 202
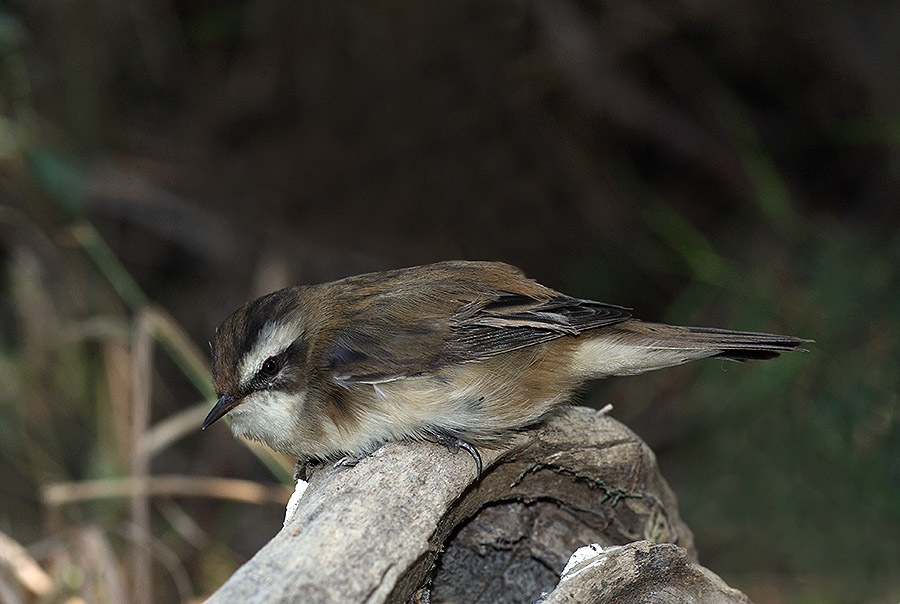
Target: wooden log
410, 523
645, 572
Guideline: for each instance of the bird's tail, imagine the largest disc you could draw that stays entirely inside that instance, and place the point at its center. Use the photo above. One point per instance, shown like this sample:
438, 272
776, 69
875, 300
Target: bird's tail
634, 347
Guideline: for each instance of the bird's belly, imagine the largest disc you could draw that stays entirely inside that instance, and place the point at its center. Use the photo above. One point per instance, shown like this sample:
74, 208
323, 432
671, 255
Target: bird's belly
478, 402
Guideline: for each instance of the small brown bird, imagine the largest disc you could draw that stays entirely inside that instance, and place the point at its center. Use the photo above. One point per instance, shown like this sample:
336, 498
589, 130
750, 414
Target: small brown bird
460, 353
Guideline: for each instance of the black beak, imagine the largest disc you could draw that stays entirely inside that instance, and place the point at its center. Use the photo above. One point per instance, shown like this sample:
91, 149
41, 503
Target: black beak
223, 405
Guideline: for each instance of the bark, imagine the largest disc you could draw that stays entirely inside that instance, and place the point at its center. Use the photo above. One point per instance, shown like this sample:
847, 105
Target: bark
410, 523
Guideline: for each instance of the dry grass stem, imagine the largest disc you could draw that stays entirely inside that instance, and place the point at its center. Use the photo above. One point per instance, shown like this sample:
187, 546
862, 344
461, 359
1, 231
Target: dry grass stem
174, 427
15, 560
141, 370
65, 493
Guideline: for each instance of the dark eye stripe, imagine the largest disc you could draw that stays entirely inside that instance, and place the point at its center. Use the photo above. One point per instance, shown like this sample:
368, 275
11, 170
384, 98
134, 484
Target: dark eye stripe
283, 371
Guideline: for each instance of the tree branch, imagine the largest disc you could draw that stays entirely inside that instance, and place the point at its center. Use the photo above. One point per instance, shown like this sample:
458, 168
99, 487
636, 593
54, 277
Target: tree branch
409, 520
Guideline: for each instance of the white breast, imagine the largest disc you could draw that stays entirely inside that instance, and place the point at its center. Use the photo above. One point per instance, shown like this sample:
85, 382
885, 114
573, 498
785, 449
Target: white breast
271, 416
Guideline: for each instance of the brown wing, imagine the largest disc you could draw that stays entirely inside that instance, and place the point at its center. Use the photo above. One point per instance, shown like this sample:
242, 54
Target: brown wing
390, 348
510, 322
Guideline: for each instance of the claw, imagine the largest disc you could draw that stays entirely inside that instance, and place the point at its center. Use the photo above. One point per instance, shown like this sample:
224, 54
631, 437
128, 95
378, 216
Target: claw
454, 444
347, 461
302, 469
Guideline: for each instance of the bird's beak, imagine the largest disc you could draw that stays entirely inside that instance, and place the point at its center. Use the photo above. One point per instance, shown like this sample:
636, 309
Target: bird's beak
223, 405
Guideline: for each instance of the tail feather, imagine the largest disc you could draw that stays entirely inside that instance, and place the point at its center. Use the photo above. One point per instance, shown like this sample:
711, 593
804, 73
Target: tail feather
739, 345
634, 346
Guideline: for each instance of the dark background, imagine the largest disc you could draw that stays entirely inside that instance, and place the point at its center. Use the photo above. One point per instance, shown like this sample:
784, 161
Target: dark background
725, 163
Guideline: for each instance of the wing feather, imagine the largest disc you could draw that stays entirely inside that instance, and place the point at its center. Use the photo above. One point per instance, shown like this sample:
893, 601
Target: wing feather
486, 326
496, 328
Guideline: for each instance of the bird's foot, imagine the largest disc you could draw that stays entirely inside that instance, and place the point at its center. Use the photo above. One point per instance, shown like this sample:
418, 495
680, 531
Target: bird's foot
348, 461
305, 466
454, 444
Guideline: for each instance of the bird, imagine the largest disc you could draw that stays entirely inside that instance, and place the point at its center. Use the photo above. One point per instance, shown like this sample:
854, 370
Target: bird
463, 353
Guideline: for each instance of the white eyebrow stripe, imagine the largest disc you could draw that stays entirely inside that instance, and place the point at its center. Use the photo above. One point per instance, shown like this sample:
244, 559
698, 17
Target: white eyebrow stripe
273, 339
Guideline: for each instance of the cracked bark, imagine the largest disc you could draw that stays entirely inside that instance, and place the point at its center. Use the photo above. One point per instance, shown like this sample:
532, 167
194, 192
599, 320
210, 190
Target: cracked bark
409, 523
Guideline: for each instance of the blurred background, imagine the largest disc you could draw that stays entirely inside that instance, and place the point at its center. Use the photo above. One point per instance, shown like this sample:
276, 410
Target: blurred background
725, 163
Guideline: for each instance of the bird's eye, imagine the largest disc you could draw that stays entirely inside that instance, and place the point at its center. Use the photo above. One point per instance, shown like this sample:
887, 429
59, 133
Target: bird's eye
271, 366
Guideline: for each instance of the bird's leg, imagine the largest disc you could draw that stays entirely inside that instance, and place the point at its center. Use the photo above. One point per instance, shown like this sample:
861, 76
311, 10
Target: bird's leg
454, 444
348, 461
304, 466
